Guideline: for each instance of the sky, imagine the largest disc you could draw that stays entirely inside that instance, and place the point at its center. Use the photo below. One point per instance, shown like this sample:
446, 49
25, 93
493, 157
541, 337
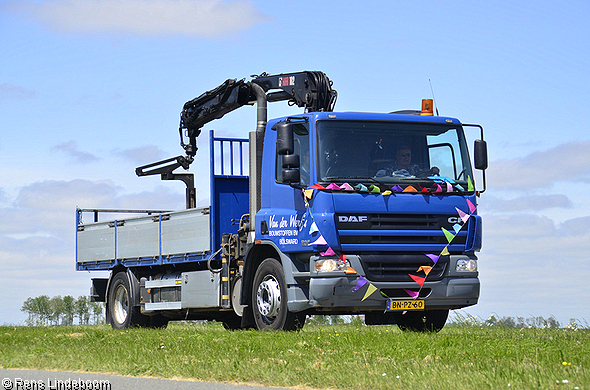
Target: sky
91, 89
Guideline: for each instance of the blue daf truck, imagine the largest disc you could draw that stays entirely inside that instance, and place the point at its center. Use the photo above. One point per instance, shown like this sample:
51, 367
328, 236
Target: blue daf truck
322, 212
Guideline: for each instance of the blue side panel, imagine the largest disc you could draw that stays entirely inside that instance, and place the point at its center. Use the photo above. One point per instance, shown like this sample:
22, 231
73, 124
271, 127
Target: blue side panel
231, 201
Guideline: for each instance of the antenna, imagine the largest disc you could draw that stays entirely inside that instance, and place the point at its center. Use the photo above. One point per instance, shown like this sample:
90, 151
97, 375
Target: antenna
431, 90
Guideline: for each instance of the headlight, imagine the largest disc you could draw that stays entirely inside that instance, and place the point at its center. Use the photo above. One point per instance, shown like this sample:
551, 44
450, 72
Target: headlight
329, 265
467, 265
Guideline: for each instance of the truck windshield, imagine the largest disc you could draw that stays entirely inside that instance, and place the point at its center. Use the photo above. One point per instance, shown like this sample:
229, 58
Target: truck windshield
390, 152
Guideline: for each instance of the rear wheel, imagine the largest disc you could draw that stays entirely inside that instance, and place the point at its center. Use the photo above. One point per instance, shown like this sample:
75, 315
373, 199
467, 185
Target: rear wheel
269, 299
422, 321
123, 313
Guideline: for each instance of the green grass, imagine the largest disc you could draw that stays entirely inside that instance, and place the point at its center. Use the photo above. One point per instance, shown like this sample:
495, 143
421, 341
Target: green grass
335, 357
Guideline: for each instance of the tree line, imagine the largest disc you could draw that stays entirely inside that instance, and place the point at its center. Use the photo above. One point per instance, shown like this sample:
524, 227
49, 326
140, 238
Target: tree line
44, 311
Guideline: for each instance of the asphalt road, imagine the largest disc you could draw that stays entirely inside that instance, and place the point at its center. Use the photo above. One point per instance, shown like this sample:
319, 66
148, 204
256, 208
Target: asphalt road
57, 380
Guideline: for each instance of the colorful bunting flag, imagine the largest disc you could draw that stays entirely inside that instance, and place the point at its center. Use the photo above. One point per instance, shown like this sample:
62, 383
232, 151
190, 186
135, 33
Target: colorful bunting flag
418, 279
308, 193
445, 251
470, 186
448, 235
317, 187
464, 216
425, 268
425, 190
410, 189
386, 192
360, 283
349, 271
471, 206
346, 187
457, 227
333, 186
320, 241
383, 294
361, 188
413, 294
438, 189
460, 187
434, 258
313, 228
328, 252
449, 187
373, 189
397, 188
370, 290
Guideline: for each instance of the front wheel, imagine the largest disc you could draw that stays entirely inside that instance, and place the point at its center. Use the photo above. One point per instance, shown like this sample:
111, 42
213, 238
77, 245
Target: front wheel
269, 299
422, 321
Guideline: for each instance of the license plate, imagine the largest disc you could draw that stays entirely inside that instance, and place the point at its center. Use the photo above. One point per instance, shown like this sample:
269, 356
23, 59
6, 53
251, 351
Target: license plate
395, 305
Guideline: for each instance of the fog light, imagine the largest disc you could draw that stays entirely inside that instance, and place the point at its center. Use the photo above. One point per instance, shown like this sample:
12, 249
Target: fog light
467, 265
329, 265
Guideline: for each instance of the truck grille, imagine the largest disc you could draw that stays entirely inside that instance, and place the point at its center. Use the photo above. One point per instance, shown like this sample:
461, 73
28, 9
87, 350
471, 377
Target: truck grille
396, 267
398, 229
391, 246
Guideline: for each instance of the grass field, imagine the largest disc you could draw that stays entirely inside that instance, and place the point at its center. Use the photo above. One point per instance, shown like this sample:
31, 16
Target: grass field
335, 357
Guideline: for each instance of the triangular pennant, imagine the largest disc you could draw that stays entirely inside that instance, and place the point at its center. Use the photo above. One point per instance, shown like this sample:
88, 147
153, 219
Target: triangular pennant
464, 216
346, 187
413, 294
448, 235
383, 294
449, 187
425, 190
308, 193
425, 268
320, 241
328, 252
373, 189
418, 279
471, 206
350, 271
410, 189
342, 257
445, 251
438, 189
313, 228
361, 188
333, 186
397, 188
370, 290
457, 227
386, 192
360, 283
317, 187
470, 186
434, 258
459, 187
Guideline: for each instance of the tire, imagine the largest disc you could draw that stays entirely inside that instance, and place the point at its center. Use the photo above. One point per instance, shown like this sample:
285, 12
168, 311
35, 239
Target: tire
123, 313
422, 321
269, 299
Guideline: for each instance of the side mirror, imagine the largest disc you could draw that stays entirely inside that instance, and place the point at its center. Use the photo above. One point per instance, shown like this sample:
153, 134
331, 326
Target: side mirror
291, 174
481, 154
285, 138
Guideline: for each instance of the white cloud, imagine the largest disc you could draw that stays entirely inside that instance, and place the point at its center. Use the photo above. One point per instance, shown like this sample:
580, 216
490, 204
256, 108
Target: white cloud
565, 162
15, 92
204, 18
530, 202
71, 149
141, 155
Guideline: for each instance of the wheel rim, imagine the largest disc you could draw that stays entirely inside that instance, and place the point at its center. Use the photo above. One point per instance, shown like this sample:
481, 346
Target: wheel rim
268, 297
121, 304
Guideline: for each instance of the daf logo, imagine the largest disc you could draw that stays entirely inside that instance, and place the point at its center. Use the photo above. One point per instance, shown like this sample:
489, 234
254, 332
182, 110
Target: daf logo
352, 218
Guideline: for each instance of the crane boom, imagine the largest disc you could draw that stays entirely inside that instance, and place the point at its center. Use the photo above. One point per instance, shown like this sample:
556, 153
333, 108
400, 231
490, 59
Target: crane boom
310, 90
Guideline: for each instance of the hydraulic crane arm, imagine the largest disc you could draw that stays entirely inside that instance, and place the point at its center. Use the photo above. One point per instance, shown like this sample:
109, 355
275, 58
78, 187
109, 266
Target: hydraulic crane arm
310, 90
